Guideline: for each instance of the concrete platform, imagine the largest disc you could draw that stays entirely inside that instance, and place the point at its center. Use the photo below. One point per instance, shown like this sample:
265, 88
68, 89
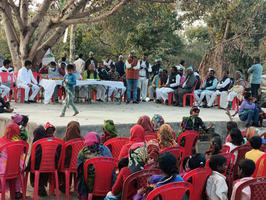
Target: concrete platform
91, 116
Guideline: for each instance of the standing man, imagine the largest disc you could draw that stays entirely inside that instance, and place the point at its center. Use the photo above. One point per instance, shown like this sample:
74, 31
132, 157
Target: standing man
187, 86
256, 77
120, 67
156, 68
132, 76
91, 60
80, 64
27, 81
145, 69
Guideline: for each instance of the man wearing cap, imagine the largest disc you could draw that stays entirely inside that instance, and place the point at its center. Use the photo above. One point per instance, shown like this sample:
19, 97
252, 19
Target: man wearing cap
144, 70
79, 63
221, 90
186, 87
173, 82
132, 76
209, 86
91, 60
155, 68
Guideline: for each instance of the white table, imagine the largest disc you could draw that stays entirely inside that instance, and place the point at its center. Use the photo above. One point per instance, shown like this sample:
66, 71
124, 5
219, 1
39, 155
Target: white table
49, 86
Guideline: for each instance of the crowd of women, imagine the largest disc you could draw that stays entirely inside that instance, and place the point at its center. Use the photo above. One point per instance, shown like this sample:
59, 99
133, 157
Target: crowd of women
138, 154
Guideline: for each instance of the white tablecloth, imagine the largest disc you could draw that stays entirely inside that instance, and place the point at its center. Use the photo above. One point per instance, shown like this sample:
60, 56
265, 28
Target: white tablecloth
49, 86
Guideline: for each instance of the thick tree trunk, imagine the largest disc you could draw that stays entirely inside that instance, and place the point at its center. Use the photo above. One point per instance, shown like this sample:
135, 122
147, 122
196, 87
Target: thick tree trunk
72, 43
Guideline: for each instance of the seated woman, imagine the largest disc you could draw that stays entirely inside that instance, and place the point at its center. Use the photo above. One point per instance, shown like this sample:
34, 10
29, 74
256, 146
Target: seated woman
236, 140
11, 134
153, 151
136, 135
248, 111
216, 145
137, 159
92, 149
145, 122
72, 132
157, 121
109, 130
168, 165
22, 121
166, 137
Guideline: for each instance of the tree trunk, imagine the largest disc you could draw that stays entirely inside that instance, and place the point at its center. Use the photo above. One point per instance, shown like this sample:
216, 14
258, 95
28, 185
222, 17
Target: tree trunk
72, 43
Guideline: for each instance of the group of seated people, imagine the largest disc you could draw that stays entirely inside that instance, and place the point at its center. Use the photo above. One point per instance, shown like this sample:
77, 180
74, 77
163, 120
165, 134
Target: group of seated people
139, 154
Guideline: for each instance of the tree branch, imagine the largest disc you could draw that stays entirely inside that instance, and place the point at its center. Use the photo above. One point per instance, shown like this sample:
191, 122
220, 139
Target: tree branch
24, 8
15, 10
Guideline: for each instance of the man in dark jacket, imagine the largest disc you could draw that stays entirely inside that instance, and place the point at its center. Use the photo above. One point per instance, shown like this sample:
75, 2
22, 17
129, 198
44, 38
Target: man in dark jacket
187, 86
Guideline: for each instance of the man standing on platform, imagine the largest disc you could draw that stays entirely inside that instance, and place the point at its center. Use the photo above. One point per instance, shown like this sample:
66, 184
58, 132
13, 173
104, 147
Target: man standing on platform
80, 64
120, 67
144, 71
156, 68
27, 81
132, 76
256, 77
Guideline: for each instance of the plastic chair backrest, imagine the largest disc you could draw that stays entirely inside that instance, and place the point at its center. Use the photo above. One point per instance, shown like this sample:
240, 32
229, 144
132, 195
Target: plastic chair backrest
115, 145
230, 157
172, 191
104, 169
257, 187
49, 147
150, 137
136, 181
75, 145
225, 149
197, 178
240, 152
6, 77
190, 138
260, 167
178, 152
14, 151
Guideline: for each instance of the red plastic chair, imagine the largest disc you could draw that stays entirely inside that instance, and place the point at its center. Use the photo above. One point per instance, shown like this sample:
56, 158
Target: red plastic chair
151, 137
257, 187
190, 139
235, 103
190, 95
170, 98
136, 181
14, 151
115, 145
198, 178
240, 152
260, 167
49, 148
18, 90
75, 145
172, 191
225, 149
104, 168
178, 152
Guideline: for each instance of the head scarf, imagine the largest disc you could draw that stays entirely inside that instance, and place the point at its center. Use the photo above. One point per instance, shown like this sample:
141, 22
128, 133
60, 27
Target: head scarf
157, 120
137, 134
145, 122
72, 131
12, 132
166, 137
153, 150
137, 157
91, 139
251, 132
17, 118
39, 133
109, 128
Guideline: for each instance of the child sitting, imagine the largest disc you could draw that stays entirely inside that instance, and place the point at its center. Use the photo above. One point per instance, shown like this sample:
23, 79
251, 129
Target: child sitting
216, 187
193, 162
168, 165
246, 169
49, 129
255, 153
215, 146
193, 122
5, 106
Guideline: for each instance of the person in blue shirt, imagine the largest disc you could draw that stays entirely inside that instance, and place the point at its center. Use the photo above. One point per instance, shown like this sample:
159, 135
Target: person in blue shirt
69, 83
255, 72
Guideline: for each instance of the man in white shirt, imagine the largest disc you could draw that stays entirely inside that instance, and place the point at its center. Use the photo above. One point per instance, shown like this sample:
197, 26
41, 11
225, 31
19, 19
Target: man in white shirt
222, 90
173, 82
80, 64
27, 81
145, 69
6, 68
